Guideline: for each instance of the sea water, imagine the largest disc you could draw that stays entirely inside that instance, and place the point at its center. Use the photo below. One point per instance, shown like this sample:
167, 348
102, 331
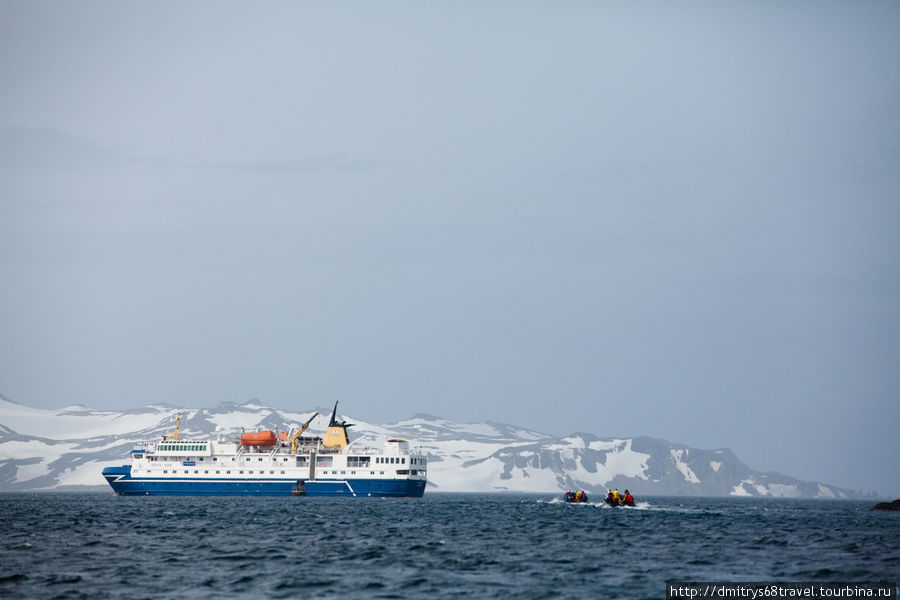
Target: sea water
57, 545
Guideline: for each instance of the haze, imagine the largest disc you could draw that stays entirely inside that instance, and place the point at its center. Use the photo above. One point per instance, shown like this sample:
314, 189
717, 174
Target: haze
645, 218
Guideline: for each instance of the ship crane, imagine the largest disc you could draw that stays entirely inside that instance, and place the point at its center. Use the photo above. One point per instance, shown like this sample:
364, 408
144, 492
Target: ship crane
295, 439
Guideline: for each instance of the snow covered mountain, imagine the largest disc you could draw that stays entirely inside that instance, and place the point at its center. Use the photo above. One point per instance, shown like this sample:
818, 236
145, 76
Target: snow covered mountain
67, 449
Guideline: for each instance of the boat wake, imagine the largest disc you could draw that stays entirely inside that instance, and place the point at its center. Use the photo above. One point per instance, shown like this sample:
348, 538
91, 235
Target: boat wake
605, 506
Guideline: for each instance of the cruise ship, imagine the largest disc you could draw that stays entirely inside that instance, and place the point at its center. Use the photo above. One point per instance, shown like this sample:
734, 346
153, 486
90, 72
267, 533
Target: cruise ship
271, 463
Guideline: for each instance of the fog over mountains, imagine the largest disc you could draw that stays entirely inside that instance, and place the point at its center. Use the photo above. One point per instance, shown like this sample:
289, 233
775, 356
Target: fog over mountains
68, 448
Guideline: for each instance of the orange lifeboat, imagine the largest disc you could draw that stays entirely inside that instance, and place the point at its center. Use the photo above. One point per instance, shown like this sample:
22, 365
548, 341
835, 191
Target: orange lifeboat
260, 438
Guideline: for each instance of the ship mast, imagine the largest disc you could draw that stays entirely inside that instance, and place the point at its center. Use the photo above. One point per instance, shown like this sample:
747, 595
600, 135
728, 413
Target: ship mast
177, 433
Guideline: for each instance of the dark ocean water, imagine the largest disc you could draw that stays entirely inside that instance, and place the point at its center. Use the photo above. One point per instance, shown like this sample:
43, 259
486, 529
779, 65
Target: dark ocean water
98, 546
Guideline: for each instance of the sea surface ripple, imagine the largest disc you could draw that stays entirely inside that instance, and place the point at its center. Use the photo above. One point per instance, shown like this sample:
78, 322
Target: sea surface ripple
95, 546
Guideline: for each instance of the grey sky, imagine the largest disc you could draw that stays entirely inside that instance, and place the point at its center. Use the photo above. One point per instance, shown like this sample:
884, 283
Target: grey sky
676, 219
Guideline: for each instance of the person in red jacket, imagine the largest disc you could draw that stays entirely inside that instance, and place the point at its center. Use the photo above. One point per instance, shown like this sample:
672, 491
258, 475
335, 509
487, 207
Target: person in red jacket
628, 500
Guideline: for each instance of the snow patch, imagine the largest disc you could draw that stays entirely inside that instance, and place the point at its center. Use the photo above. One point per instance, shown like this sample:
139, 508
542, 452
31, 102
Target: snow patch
607, 445
477, 429
84, 423
32, 471
740, 490
825, 492
573, 442
781, 490
686, 471
88, 473
715, 465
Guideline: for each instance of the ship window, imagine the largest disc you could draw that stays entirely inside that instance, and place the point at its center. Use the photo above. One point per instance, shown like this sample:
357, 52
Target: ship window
185, 470
251, 472
215, 459
260, 460
228, 472
206, 472
165, 471
217, 472
282, 472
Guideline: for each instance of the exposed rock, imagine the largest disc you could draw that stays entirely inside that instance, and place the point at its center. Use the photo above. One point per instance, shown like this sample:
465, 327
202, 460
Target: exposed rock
895, 505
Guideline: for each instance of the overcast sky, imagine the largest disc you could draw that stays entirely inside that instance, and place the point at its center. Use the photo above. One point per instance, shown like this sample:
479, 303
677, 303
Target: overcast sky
675, 219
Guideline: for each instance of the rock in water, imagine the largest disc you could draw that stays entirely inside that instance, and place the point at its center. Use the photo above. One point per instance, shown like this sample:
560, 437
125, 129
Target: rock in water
895, 505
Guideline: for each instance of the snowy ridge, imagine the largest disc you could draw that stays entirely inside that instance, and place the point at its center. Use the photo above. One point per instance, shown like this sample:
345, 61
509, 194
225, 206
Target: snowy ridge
66, 448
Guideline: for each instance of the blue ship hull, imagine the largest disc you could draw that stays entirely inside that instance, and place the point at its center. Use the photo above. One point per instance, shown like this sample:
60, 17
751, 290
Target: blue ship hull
124, 485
